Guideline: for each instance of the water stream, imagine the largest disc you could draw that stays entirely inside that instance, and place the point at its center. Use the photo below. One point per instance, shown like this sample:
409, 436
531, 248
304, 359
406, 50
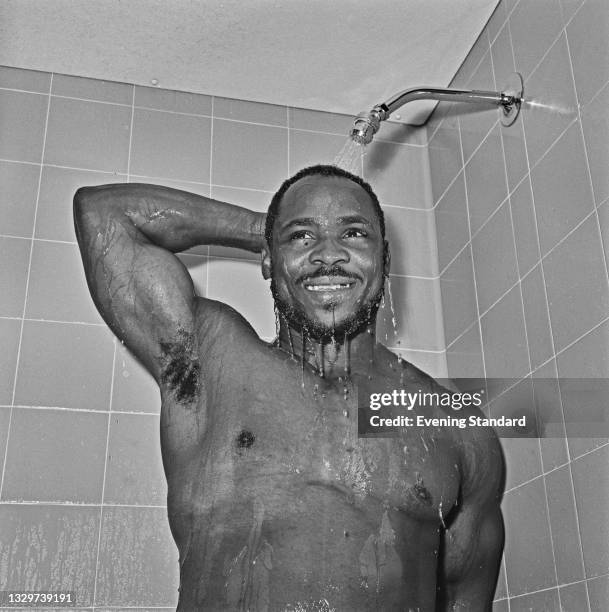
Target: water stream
351, 157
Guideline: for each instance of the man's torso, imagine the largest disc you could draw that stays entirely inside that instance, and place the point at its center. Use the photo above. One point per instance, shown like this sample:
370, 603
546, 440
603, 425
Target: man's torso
279, 505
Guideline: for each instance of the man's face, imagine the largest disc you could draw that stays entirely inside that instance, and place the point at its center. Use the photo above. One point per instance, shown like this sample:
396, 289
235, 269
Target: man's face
327, 263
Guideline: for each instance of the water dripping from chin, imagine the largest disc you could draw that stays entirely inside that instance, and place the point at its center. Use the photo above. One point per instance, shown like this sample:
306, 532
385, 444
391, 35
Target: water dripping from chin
277, 325
391, 308
303, 339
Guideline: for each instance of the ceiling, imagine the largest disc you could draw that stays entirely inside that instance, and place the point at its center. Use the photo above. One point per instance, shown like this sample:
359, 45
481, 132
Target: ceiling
333, 55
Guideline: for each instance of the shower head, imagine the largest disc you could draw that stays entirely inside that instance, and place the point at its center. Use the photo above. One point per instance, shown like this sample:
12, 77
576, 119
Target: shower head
367, 124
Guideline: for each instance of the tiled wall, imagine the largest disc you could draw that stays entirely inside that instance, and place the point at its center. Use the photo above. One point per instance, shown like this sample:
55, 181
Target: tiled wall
82, 494
522, 216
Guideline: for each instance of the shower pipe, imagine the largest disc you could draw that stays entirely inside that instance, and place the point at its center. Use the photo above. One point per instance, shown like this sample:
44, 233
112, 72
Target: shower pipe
366, 124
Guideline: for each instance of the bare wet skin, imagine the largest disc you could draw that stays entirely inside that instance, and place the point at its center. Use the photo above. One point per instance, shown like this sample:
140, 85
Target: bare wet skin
274, 501
283, 507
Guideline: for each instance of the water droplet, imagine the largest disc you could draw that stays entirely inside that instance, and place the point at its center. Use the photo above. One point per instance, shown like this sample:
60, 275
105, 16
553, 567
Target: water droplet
277, 326
303, 336
347, 352
441, 517
391, 308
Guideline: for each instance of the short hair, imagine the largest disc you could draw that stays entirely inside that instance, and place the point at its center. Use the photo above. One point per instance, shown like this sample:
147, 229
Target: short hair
318, 170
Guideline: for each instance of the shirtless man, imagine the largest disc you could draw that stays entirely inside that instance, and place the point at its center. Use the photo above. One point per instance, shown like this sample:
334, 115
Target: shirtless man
274, 501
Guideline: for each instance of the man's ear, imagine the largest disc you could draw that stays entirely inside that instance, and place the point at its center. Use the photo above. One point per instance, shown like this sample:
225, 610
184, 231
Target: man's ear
386, 259
265, 261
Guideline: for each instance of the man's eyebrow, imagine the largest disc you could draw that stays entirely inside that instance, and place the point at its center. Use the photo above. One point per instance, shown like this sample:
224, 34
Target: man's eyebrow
300, 221
346, 220
353, 219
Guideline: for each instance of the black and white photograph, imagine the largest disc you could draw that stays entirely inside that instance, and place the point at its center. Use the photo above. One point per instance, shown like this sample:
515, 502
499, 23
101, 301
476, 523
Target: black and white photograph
304, 305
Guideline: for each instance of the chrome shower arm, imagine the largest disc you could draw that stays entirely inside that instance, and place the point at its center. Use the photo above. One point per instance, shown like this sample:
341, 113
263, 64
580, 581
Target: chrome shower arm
367, 124
446, 95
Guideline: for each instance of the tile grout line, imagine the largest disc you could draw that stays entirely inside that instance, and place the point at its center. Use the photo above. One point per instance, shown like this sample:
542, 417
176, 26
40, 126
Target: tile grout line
57, 321
581, 127
110, 399
177, 180
549, 523
467, 78
84, 410
507, 591
598, 93
509, 204
77, 504
52, 240
544, 590
513, 231
590, 214
131, 122
520, 182
587, 159
18, 161
465, 162
469, 228
287, 118
566, 464
205, 115
27, 283
211, 185
554, 354
575, 507
484, 138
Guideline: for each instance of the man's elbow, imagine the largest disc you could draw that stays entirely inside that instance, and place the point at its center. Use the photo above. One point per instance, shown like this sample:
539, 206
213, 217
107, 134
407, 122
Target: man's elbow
97, 198
81, 201
91, 205
87, 195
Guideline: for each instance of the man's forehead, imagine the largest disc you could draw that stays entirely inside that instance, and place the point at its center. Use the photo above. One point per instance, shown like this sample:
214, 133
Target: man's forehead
319, 192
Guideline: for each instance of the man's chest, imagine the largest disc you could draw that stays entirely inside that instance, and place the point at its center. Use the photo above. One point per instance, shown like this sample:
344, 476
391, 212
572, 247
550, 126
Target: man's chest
307, 436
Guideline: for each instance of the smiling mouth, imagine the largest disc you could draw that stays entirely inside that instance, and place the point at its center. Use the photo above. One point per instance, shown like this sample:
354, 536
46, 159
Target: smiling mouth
319, 288
326, 284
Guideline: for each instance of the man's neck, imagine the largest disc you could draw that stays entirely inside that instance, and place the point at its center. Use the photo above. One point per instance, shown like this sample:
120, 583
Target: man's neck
332, 358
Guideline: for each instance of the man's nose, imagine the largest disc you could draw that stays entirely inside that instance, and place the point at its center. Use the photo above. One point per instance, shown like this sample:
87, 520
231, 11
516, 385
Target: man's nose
328, 252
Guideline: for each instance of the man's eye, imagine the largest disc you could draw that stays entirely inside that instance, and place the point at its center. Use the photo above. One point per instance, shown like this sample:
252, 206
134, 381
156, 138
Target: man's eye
355, 233
301, 235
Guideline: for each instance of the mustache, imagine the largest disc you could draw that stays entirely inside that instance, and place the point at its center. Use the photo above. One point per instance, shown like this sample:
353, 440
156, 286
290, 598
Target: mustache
329, 271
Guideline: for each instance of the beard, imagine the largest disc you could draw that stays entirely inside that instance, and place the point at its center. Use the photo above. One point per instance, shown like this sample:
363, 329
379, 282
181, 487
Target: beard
356, 322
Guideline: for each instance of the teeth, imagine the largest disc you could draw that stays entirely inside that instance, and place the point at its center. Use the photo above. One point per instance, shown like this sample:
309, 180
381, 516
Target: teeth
327, 287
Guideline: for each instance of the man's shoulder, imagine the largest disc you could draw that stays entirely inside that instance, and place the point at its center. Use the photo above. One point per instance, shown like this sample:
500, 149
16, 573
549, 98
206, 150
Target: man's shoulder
482, 460
408, 373
217, 321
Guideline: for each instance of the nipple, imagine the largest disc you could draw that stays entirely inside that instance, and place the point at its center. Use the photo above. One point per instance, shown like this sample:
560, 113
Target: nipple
245, 439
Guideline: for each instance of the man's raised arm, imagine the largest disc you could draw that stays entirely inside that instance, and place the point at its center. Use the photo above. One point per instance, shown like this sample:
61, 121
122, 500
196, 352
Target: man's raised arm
128, 234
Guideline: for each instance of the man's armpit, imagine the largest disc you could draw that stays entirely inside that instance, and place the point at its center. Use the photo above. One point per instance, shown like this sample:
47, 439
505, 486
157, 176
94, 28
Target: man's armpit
180, 367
